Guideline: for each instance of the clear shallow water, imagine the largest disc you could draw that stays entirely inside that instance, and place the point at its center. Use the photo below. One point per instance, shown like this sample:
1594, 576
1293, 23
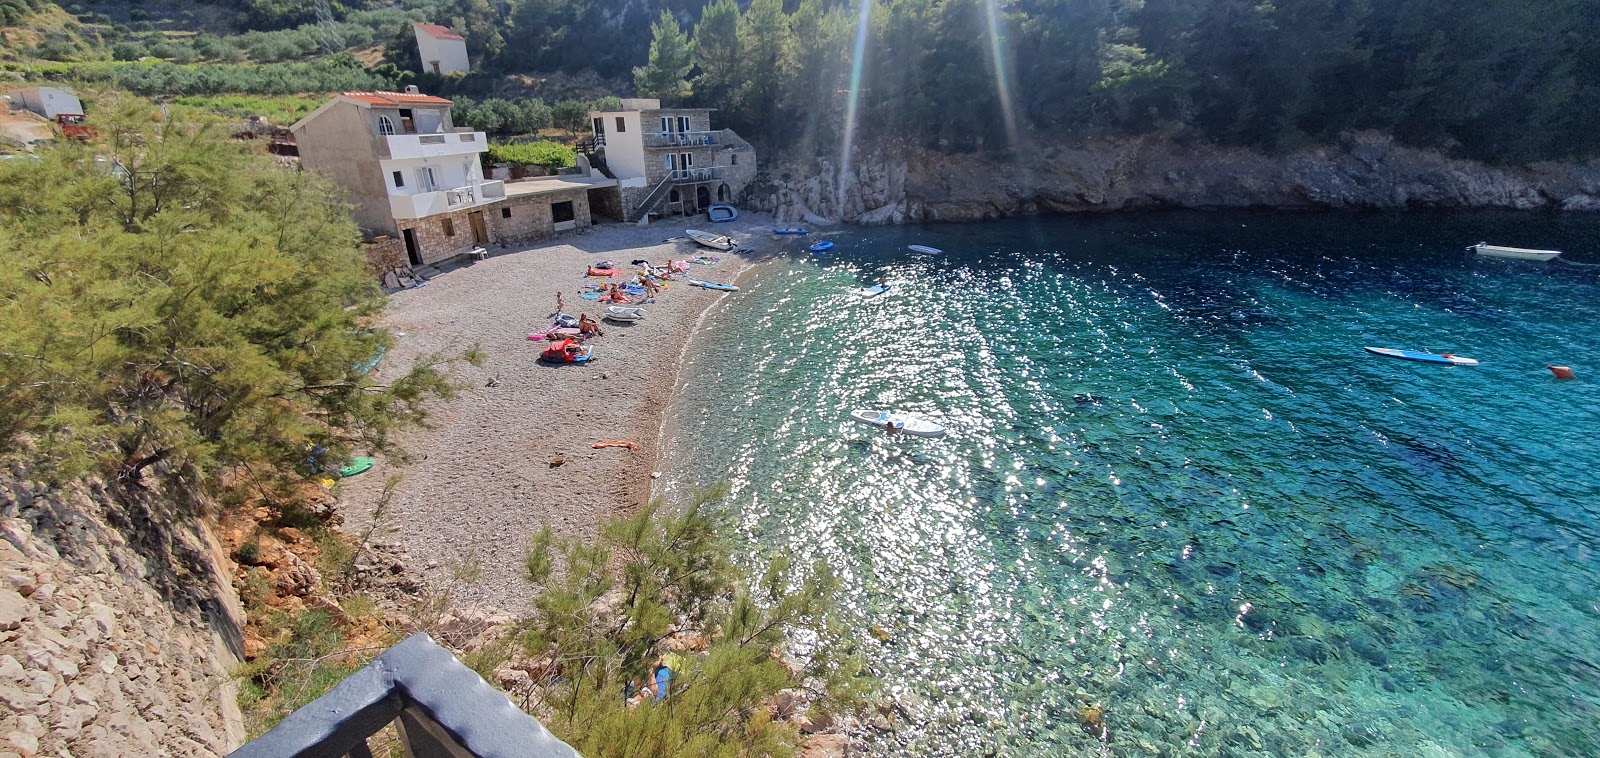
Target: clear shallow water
1176, 489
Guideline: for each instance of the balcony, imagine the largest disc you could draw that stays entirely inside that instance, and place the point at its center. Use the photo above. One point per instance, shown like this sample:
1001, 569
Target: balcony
402, 146
682, 139
425, 204
695, 175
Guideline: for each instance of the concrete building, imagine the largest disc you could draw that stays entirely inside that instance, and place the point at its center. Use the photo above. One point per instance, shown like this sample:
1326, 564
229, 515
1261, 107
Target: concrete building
669, 161
48, 101
416, 179
441, 50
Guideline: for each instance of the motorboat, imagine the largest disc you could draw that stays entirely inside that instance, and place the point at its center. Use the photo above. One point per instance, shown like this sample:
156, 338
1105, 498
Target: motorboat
714, 241
721, 214
1514, 253
623, 313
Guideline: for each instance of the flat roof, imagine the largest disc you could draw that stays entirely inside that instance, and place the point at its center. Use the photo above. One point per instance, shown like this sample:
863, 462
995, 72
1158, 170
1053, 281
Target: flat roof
548, 184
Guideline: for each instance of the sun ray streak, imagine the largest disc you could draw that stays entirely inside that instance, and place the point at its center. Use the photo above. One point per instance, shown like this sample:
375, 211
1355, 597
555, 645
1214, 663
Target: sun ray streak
1002, 77
862, 26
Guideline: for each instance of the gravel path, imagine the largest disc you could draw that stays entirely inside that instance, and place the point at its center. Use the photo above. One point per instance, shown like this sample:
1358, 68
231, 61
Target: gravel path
481, 482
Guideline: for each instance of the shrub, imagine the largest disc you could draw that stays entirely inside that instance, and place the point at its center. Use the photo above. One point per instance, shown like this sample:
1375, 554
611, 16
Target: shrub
551, 155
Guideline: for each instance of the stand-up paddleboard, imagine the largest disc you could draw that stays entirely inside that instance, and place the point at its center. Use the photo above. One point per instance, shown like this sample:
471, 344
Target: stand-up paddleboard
875, 291
915, 427
791, 230
713, 285
822, 246
1445, 359
923, 249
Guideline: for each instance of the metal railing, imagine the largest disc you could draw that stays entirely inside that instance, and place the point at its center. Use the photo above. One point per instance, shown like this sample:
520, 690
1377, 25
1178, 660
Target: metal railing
438, 706
682, 139
692, 175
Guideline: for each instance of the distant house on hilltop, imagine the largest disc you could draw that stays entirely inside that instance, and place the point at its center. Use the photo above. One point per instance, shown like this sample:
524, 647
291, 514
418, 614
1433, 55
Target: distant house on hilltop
48, 101
414, 176
441, 50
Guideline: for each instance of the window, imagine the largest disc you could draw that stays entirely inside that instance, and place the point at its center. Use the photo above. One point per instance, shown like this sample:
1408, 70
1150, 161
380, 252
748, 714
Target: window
385, 126
449, 227
406, 122
505, 213
683, 123
425, 178
622, 126
561, 212
666, 124
733, 159
399, 179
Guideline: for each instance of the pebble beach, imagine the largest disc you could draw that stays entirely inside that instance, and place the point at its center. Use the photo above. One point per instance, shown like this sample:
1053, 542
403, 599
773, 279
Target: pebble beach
480, 479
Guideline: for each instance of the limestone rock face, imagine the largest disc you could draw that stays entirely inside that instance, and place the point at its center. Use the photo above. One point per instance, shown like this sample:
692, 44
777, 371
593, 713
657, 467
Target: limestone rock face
901, 183
105, 651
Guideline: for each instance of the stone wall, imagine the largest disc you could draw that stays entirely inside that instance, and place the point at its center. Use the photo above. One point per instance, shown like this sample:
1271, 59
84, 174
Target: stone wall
118, 627
530, 216
900, 183
435, 246
386, 254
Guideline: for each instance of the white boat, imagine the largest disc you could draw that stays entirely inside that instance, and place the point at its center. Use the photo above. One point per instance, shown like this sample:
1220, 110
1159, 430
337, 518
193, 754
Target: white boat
623, 313
1516, 253
911, 425
714, 241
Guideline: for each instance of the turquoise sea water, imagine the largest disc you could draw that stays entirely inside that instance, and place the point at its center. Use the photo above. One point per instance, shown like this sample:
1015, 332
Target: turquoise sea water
1176, 491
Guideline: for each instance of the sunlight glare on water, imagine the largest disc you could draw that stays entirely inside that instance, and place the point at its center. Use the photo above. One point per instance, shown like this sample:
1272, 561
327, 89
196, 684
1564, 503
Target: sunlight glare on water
1178, 501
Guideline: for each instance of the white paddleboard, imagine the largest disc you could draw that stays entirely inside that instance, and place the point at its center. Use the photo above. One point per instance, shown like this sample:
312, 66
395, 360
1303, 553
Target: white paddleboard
875, 291
911, 425
924, 249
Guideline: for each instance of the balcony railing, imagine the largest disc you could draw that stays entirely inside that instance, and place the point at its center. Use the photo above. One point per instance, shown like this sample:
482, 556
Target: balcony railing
693, 175
423, 204
435, 705
403, 146
682, 139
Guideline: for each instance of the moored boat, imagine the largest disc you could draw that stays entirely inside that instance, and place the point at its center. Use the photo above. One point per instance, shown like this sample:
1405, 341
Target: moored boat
821, 247
1514, 253
721, 213
623, 313
1423, 357
714, 241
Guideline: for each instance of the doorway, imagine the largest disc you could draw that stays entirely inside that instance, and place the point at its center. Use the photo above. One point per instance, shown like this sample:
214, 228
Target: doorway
702, 196
480, 232
412, 254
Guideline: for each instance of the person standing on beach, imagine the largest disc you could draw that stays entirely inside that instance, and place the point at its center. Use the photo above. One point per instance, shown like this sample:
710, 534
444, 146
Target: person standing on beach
561, 305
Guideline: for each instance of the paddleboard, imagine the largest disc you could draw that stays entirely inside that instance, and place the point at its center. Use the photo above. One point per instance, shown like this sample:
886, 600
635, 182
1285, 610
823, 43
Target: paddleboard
714, 285
791, 231
875, 291
1444, 359
357, 466
923, 249
913, 426
822, 246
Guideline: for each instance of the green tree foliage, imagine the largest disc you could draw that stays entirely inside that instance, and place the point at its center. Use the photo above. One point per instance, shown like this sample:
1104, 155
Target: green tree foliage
765, 44
176, 305
718, 54
606, 609
666, 73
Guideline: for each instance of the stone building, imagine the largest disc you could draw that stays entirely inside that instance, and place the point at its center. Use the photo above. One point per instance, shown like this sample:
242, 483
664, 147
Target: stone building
414, 177
669, 161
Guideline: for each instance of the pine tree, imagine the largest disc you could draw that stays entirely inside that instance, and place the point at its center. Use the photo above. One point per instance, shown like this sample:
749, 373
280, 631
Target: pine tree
718, 53
671, 57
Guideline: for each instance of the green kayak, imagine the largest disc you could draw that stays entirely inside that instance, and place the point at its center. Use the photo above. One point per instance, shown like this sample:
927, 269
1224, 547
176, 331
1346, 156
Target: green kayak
357, 466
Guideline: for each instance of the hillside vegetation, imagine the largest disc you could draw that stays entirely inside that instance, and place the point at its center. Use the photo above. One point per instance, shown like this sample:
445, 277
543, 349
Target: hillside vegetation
1504, 80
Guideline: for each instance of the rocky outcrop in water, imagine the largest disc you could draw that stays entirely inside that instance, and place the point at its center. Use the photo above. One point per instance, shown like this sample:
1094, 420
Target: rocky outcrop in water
117, 633
895, 184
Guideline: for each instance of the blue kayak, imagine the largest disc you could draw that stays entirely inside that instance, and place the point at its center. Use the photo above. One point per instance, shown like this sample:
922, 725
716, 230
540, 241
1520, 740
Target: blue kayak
1445, 359
823, 246
791, 231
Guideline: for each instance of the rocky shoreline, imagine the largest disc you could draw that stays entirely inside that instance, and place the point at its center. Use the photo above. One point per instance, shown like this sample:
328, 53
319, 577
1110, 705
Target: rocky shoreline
907, 184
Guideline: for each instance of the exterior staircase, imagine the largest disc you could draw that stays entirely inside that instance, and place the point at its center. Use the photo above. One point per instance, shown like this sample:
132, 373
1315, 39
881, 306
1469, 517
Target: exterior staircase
650, 201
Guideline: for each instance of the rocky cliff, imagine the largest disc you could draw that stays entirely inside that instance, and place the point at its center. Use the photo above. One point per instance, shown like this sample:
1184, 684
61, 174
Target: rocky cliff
118, 629
897, 183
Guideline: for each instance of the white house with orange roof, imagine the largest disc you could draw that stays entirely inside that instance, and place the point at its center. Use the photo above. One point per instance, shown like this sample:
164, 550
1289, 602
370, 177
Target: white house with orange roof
413, 176
441, 50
